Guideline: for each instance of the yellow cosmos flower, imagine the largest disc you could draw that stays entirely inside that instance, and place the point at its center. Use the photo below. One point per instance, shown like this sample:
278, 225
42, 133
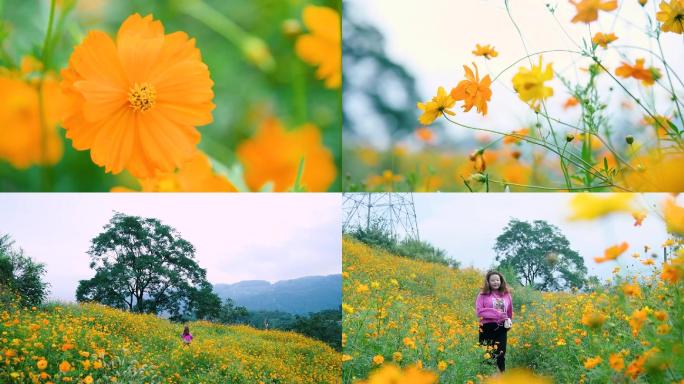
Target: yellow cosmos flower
274, 155
24, 141
378, 359
486, 51
472, 91
42, 364
442, 366
587, 10
636, 320
517, 376
391, 374
674, 216
529, 83
632, 290
603, 39
433, 109
323, 46
671, 15
589, 206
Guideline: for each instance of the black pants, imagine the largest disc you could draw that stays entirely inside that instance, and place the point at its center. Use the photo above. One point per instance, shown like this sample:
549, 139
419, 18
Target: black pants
495, 335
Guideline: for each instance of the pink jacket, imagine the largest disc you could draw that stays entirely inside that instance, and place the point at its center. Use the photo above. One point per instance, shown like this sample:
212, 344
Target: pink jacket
494, 307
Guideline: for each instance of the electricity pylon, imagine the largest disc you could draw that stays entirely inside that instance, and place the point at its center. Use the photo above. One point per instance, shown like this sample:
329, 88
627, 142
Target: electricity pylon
395, 212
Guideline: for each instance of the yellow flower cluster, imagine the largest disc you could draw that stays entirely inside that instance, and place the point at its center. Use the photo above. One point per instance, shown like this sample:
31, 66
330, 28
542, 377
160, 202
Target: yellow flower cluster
96, 344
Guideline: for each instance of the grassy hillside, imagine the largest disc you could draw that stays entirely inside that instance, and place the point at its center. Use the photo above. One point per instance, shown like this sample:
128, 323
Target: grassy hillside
92, 343
411, 313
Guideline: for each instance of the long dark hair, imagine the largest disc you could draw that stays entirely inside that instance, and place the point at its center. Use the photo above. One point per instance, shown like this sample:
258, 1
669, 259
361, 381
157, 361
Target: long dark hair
186, 331
486, 289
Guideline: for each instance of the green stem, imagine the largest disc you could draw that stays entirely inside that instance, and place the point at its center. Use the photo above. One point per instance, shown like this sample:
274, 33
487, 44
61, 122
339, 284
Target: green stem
550, 188
669, 78
657, 121
576, 160
253, 48
45, 58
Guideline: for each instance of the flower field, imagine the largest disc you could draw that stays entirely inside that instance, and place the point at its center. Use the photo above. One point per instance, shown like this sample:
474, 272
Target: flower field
587, 96
420, 316
95, 344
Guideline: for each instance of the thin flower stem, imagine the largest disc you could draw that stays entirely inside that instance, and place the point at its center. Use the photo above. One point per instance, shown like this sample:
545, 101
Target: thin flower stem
630, 94
550, 188
661, 58
563, 166
669, 78
45, 58
576, 160
534, 54
602, 140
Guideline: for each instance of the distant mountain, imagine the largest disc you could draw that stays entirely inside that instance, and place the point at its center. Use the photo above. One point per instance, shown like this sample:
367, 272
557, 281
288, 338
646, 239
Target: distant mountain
299, 296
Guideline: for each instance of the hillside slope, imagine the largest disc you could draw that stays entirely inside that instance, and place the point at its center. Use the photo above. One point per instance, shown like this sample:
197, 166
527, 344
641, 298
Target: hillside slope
408, 312
78, 343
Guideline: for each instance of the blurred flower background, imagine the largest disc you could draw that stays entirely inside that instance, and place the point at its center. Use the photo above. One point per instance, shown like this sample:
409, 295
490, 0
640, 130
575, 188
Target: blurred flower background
273, 64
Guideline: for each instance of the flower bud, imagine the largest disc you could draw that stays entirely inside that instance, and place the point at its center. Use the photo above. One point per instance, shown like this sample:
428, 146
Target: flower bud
629, 139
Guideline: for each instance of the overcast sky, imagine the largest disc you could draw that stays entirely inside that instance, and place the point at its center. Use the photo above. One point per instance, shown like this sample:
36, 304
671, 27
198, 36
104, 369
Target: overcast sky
237, 236
433, 39
467, 225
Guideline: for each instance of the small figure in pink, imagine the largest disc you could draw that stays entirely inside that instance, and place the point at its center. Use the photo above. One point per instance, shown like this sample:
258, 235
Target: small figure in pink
186, 336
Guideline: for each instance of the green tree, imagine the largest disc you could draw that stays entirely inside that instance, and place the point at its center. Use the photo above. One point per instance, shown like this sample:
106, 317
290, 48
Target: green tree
232, 314
20, 275
540, 255
142, 265
325, 326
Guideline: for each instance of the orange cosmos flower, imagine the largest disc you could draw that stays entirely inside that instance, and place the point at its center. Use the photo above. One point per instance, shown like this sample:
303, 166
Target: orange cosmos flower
592, 362
472, 91
570, 102
323, 46
194, 176
24, 143
274, 155
135, 102
603, 39
637, 319
648, 76
515, 136
425, 135
639, 217
587, 10
612, 253
485, 50
616, 362
655, 172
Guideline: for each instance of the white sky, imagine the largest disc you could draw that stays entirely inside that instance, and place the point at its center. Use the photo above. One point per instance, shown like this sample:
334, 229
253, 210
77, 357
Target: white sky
433, 39
237, 236
467, 225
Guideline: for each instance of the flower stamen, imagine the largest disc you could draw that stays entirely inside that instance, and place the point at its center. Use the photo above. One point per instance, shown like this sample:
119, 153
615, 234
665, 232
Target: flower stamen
142, 97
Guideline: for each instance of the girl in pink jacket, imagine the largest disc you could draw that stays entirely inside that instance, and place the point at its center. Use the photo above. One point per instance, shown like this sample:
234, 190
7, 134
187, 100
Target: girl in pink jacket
494, 308
186, 336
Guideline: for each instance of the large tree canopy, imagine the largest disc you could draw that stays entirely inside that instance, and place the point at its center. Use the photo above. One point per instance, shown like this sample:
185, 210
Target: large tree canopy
540, 255
142, 265
20, 275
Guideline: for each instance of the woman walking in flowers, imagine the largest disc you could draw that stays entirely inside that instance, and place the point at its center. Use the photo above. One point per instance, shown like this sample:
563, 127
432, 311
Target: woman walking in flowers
495, 311
186, 336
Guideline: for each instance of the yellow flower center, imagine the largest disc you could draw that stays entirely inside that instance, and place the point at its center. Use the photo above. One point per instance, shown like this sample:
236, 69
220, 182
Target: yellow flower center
142, 97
